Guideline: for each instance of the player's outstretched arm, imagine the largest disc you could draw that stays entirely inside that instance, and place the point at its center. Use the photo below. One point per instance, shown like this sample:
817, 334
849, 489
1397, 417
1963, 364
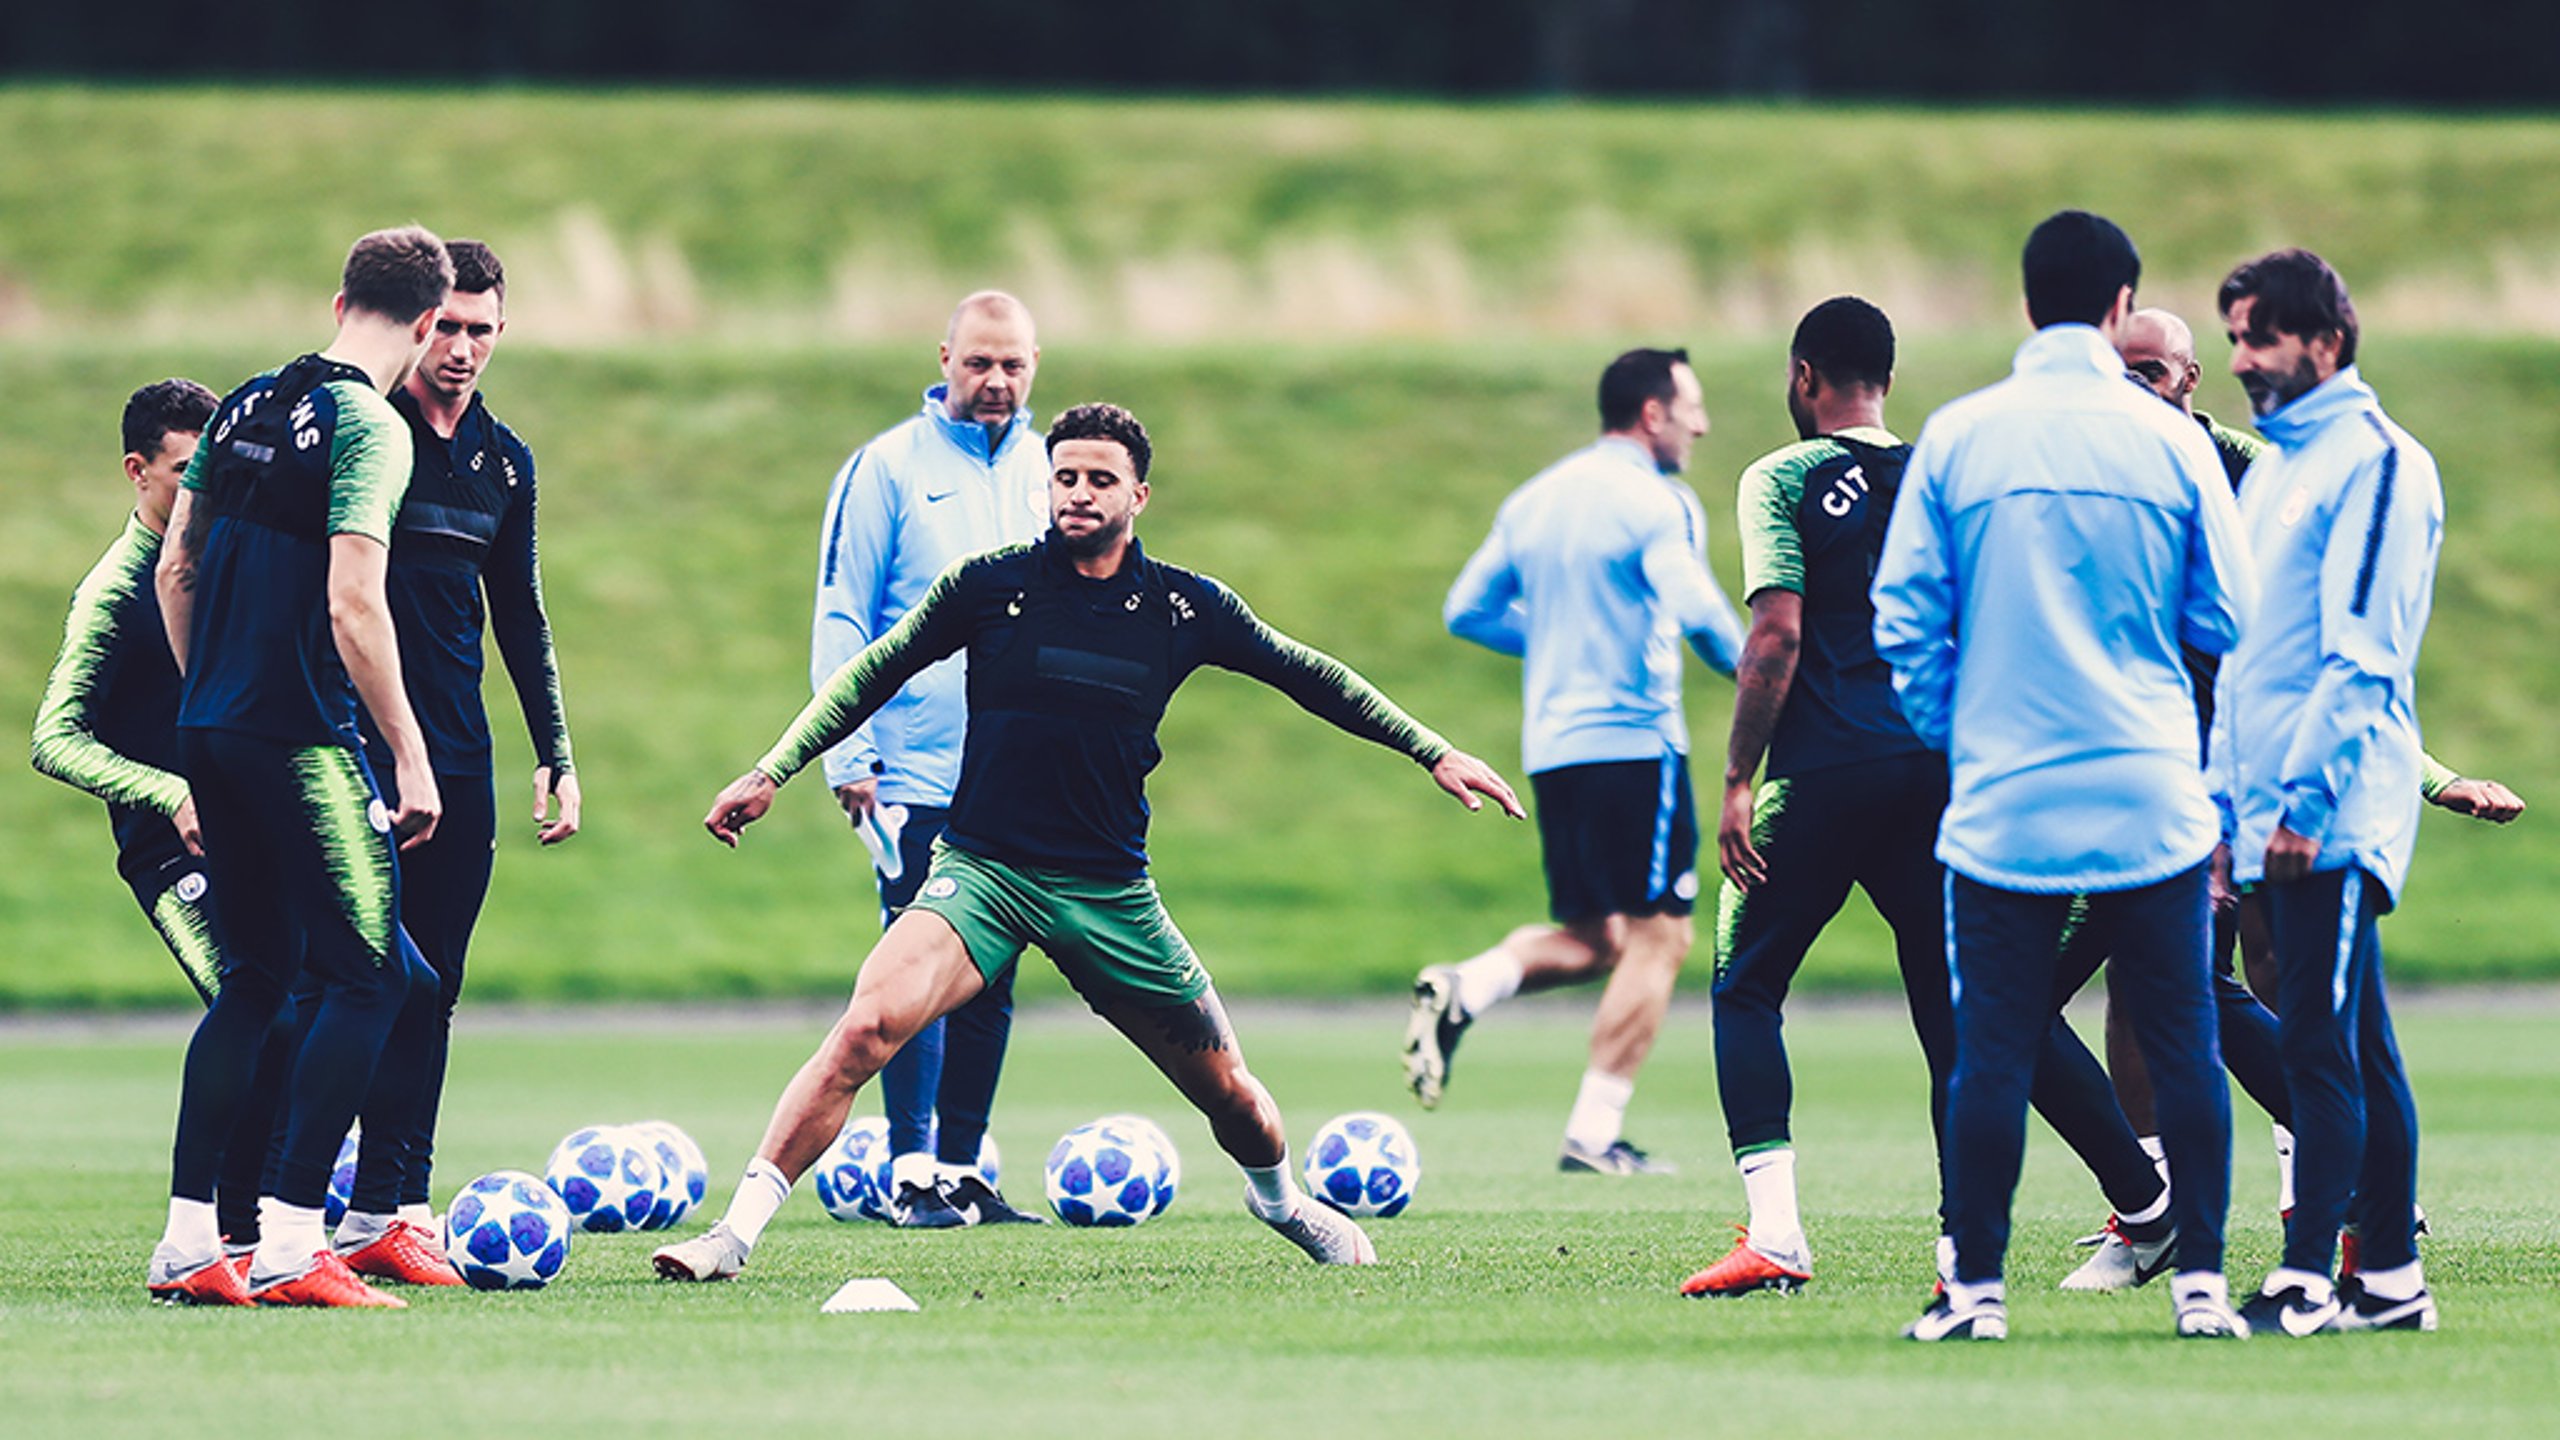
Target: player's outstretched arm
2480, 799
738, 805
1467, 777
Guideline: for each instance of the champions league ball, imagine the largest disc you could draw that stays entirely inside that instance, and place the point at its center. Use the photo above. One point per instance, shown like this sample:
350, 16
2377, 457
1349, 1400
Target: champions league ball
342, 1177
1364, 1163
507, 1231
688, 1173
1153, 1134
1106, 1174
610, 1181
853, 1176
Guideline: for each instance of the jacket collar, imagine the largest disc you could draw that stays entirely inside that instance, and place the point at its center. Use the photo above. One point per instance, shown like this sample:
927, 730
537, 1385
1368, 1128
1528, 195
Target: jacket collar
2294, 425
970, 437
2068, 349
1053, 554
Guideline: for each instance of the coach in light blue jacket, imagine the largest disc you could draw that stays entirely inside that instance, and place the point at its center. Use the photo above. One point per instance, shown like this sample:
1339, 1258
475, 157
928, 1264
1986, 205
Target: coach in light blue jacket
2056, 539
966, 474
2315, 749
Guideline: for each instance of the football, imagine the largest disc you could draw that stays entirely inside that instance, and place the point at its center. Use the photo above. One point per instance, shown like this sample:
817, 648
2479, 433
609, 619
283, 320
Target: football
610, 1180
688, 1174
507, 1231
1364, 1163
1105, 1174
853, 1176
342, 1177
1154, 1134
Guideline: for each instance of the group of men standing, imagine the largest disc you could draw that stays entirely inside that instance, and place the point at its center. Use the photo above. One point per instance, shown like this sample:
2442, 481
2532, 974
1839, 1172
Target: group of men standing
302, 593
2053, 700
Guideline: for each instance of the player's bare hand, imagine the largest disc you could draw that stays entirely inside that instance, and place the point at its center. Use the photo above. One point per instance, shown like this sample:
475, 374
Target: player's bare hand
2290, 856
2225, 895
190, 833
1467, 777
562, 787
859, 799
2481, 800
1735, 854
421, 806
740, 805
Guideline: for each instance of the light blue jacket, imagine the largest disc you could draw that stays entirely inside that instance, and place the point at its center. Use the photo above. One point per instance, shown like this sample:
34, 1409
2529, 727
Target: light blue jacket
1594, 571
2316, 720
918, 497
2057, 536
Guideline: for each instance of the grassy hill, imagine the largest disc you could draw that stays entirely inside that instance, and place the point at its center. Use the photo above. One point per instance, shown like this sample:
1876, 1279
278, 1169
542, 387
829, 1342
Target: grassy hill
687, 431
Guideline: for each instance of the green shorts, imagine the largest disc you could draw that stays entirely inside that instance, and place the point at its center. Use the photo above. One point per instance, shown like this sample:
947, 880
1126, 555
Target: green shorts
1111, 938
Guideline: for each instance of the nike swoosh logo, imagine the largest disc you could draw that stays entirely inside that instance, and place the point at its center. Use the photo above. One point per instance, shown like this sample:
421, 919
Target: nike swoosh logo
930, 497
2306, 1322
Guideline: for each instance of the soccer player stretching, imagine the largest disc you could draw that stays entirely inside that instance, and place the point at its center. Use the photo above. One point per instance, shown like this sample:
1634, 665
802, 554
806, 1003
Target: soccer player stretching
1075, 643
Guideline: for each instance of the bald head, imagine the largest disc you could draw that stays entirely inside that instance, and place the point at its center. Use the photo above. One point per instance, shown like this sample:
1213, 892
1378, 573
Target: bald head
2158, 348
989, 356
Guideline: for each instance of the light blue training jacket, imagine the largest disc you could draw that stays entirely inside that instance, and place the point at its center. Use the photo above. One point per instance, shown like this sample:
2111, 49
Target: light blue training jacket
1593, 573
2316, 717
920, 496
2057, 536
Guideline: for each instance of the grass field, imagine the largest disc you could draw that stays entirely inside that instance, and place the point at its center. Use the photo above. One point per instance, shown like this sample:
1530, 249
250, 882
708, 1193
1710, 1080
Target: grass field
1510, 1301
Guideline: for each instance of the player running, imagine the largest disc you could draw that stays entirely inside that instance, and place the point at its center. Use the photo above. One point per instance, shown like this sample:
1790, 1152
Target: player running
465, 558
1075, 643
1594, 572
271, 588
2316, 759
1854, 797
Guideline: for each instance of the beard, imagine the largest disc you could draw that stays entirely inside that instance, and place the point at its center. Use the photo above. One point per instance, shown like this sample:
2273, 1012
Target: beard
1096, 541
2270, 393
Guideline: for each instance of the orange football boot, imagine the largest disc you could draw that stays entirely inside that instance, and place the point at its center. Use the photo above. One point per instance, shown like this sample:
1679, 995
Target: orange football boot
327, 1283
1743, 1271
405, 1253
215, 1282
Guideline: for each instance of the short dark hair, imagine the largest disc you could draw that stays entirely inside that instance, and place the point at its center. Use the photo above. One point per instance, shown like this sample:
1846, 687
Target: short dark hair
175, 406
399, 274
476, 269
2076, 263
2298, 294
1634, 378
1847, 342
1101, 421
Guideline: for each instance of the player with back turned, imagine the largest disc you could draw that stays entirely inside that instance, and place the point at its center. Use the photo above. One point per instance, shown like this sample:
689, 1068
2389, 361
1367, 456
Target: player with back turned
1075, 642
271, 588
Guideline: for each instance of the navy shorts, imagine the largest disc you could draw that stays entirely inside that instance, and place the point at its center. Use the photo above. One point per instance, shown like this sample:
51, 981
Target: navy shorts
1620, 838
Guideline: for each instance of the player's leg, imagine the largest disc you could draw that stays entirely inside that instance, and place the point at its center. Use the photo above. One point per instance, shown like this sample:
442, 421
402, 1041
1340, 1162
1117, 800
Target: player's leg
974, 1037
1761, 939
1582, 945
2316, 922
341, 880
931, 959
2163, 961
2254, 938
1638, 859
912, 1080
441, 894
2389, 1288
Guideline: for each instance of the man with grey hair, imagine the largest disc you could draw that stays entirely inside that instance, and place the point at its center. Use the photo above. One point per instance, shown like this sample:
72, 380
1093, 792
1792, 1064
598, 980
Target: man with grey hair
963, 475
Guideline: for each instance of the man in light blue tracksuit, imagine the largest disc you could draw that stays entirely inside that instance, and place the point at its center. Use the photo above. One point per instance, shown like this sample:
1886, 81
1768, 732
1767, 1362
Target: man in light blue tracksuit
2317, 762
966, 474
2057, 536
1594, 573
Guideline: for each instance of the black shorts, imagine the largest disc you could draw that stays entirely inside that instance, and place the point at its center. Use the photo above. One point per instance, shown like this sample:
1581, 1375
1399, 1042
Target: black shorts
1620, 838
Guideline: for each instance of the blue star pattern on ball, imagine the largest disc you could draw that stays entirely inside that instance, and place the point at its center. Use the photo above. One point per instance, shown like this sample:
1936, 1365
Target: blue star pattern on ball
1364, 1163
342, 1177
853, 1176
507, 1231
1107, 1174
610, 1181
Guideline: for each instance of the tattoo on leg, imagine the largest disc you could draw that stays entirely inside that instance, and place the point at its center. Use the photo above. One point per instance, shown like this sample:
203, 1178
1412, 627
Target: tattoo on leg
1196, 1028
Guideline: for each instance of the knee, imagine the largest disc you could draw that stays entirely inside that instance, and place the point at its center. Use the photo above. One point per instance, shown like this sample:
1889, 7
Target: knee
861, 1042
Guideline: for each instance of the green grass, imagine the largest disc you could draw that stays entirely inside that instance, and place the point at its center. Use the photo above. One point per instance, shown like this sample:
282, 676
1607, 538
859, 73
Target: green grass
1511, 1301
1339, 489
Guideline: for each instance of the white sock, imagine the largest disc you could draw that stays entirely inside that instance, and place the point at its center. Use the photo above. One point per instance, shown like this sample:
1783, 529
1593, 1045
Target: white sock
1487, 981
1946, 1254
761, 1192
2284, 1169
2190, 1286
2150, 1212
2158, 1152
2315, 1285
951, 1174
1599, 1111
290, 1237
1988, 1292
362, 1227
421, 1215
192, 1232
2400, 1282
1769, 1183
911, 1169
1270, 1192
